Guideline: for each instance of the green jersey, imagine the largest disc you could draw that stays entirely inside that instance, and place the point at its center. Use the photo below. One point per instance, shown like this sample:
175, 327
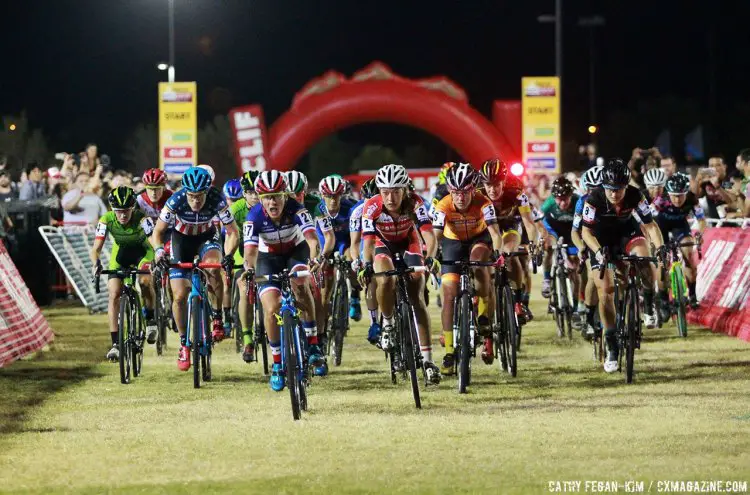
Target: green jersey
239, 210
133, 233
311, 204
557, 221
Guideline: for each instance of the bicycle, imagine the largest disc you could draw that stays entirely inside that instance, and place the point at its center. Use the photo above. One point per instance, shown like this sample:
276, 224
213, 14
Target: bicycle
627, 309
405, 341
131, 329
561, 301
465, 326
198, 335
678, 284
506, 331
338, 318
259, 336
293, 340
162, 309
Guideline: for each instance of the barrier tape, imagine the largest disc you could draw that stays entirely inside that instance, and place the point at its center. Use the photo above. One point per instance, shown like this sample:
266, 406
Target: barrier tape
723, 282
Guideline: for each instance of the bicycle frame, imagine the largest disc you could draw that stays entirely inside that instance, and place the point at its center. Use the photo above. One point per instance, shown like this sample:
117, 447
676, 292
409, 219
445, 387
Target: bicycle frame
562, 300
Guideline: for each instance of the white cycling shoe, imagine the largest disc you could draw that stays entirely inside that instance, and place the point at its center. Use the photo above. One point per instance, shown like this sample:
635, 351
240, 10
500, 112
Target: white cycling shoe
649, 320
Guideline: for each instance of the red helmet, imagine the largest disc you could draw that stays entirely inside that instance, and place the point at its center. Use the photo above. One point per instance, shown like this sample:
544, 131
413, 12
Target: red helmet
154, 177
270, 182
494, 171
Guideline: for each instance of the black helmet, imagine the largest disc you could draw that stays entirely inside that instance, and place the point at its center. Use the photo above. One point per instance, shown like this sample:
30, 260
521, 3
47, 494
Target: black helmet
616, 174
369, 189
678, 184
562, 187
121, 198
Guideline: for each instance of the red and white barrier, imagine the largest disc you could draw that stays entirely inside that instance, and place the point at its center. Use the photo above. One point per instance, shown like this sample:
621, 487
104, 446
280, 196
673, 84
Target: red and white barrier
723, 284
23, 329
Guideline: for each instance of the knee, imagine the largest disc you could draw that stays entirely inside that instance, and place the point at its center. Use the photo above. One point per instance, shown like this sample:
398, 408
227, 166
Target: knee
387, 283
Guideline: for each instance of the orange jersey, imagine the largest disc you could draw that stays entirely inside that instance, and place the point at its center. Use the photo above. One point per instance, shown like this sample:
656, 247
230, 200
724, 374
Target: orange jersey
467, 225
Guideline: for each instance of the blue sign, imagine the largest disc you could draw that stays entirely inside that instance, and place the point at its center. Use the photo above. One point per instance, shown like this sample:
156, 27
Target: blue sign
176, 168
541, 163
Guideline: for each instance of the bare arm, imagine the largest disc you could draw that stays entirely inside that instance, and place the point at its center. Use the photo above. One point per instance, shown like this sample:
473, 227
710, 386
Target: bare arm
497, 237
158, 235
590, 239
329, 242
96, 249
72, 204
654, 233
232, 240
313, 244
429, 240
530, 225
250, 256
356, 239
369, 250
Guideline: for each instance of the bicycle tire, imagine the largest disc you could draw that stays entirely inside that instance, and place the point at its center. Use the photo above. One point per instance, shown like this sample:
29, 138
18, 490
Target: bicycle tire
207, 345
304, 370
406, 322
140, 336
512, 331
339, 320
632, 329
123, 331
678, 292
290, 363
235, 314
195, 338
498, 329
159, 318
261, 339
464, 351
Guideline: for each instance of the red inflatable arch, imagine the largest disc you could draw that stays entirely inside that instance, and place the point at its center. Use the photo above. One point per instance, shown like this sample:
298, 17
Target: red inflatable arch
375, 94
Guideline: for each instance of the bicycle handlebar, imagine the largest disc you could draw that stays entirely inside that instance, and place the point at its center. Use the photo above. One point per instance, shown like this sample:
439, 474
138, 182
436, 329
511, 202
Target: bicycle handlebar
626, 258
401, 271
467, 263
277, 277
187, 264
128, 272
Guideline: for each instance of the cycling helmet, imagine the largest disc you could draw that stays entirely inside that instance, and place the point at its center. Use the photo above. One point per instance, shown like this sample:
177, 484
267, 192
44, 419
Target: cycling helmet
391, 176
444, 172
411, 187
615, 174
678, 184
369, 189
332, 185
121, 198
494, 171
562, 187
655, 177
461, 177
591, 178
297, 181
233, 189
347, 187
154, 177
210, 170
248, 180
196, 179
270, 182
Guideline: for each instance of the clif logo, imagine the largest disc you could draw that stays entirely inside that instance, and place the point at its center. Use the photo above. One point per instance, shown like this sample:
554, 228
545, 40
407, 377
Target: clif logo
540, 147
176, 97
178, 152
536, 90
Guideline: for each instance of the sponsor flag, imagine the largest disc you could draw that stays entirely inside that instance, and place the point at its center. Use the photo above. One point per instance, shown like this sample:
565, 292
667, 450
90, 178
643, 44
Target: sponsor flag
178, 126
252, 151
694, 143
663, 142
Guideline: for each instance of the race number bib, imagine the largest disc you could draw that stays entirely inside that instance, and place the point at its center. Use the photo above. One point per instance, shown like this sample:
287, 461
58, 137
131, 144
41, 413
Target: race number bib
101, 230
643, 208
589, 213
146, 224
439, 221
325, 223
368, 227
248, 230
489, 213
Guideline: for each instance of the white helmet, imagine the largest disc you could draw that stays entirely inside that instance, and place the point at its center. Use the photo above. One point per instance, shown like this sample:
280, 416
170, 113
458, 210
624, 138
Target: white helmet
461, 177
296, 181
332, 185
591, 177
210, 171
655, 177
391, 176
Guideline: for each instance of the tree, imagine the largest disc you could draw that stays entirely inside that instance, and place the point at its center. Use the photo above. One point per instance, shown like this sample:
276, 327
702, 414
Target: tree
330, 155
22, 144
142, 148
374, 156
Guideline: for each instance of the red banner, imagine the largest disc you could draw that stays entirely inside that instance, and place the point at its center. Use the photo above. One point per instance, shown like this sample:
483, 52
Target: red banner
252, 149
723, 284
23, 329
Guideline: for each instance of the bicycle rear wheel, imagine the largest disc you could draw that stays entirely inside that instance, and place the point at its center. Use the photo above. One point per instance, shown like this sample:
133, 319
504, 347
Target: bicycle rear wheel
678, 292
464, 344
238, 342
161, 334
512, 336
123, 333
195, 324
632, 322
408, 332
138, 335
261, 339
291, 363
498, 332
340, 317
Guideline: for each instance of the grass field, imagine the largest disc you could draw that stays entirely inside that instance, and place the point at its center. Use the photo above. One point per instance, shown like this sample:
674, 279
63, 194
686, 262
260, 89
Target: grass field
67, 425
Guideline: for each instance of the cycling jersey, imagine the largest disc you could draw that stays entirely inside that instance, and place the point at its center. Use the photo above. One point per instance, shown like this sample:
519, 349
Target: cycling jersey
355, 217
463, 226
441, 191
340, 223
674, 220
378, 223
508, 208
277, 238
177, 213
578, 212
559, 222
150, 208
239, 210
130, 245
611, 223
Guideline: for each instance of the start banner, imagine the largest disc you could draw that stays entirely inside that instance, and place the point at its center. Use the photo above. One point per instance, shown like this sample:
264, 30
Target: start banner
250, 138
723, 283
23, 329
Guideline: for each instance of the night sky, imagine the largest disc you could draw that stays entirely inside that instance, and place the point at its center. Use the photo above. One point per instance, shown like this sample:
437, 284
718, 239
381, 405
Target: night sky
85, 69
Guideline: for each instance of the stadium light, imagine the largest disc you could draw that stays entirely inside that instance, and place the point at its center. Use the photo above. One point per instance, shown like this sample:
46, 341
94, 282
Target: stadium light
162, 66
517, 169
593, 129
12, 127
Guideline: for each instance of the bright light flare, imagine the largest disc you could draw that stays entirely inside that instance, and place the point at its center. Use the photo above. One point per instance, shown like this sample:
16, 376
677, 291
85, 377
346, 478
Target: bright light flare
517, 169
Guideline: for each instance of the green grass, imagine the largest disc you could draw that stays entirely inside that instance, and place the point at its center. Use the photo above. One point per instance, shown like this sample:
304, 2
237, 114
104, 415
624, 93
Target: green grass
67, 425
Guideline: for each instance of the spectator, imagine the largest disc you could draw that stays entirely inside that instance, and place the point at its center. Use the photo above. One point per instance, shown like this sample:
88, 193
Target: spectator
743, 165
711, 183
33, 188
8, 190
6, 224
80, 204
669, 165
3, 162
587, 157
735, 209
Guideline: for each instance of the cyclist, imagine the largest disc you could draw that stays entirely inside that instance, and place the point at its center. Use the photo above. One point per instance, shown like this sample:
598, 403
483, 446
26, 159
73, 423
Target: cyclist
297, 183
155, 196
672, 211
239, 210
655, 180
559, 211
440, 190
335, 210
590, 180
130, 231
232, 193
279, 234
509, 200
389, 226
368, 190
466, 229
190, 212
608, 222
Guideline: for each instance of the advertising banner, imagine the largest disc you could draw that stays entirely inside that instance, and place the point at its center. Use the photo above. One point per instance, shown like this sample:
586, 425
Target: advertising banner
540, 116
178, 126
251, 144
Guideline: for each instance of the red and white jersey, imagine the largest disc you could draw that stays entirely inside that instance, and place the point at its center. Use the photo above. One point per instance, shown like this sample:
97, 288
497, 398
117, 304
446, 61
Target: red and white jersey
150, 208
378, 222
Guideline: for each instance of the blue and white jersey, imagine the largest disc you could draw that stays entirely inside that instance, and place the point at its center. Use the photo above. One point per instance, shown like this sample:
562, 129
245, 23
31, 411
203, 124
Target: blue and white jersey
578, 213
277, 238
355, 217
178, 214
339, 222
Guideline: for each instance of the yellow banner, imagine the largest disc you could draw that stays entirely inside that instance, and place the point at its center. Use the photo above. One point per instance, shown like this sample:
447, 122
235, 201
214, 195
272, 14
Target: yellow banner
540, 120
178, 126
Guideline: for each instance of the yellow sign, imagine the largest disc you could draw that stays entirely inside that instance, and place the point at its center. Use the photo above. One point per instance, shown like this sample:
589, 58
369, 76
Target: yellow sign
178, 126
540, 122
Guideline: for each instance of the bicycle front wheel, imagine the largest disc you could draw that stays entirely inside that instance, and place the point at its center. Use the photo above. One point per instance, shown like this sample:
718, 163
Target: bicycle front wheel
512, 337
340, 317
138, 335
291, 363
464, 344
123, 333
196, 322
161, 335
408, 334
261, 339
633, 322
678, 292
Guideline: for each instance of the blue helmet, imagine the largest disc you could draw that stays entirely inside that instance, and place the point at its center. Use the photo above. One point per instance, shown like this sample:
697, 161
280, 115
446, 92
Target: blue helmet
196, 179
233, 189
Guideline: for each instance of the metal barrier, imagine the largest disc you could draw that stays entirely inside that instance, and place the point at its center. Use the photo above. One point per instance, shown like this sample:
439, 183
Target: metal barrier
728, 222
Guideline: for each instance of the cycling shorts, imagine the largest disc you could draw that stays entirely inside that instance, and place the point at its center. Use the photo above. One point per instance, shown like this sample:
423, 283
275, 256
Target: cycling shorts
128, 256
572, 250
269, 263
186, 247
460, 250
619, 244
410, 251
